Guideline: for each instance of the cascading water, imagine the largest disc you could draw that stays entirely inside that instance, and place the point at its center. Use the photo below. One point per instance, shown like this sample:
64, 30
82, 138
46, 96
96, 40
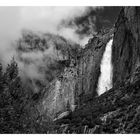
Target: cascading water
105, 79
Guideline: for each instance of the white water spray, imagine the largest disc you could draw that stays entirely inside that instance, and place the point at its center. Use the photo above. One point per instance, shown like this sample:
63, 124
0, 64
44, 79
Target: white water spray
105, 79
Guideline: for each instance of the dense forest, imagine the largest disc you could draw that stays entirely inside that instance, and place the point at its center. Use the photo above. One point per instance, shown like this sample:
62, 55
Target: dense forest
18, 112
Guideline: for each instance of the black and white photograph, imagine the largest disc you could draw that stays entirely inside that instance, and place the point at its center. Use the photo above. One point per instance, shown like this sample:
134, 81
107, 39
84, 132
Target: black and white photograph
70, 69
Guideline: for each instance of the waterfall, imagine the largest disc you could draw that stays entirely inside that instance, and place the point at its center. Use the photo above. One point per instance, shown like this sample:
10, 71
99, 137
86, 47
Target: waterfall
105, 79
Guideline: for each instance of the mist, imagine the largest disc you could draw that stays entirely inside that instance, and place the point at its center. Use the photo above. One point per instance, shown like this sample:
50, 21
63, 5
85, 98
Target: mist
43, 19
14, 20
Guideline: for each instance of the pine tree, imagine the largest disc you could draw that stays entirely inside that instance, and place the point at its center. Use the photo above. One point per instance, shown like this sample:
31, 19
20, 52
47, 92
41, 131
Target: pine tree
1, 79
11, 71
18, 113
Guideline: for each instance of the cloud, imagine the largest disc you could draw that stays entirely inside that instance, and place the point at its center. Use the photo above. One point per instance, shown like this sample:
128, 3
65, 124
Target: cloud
43, 19
37, 19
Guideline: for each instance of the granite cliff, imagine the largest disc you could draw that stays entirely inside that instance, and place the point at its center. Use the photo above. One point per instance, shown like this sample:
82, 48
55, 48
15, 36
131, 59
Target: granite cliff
117, 110
126, 42
68, 95
52, 87
78, 82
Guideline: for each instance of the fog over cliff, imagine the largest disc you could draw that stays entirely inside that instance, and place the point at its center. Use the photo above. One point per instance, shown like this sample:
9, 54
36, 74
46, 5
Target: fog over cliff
19, 23
70, 70
74, 23
42, 19
29, 27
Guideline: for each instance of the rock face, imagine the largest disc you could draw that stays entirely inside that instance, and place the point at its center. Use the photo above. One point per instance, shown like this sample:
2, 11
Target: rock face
41, 57
78, 82
60, 95
89, 67
117, 110
126, 44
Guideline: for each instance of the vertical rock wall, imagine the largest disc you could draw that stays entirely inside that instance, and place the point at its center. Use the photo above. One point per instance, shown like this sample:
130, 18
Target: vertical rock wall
78, 82
59, 96
126, 45
89, 66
